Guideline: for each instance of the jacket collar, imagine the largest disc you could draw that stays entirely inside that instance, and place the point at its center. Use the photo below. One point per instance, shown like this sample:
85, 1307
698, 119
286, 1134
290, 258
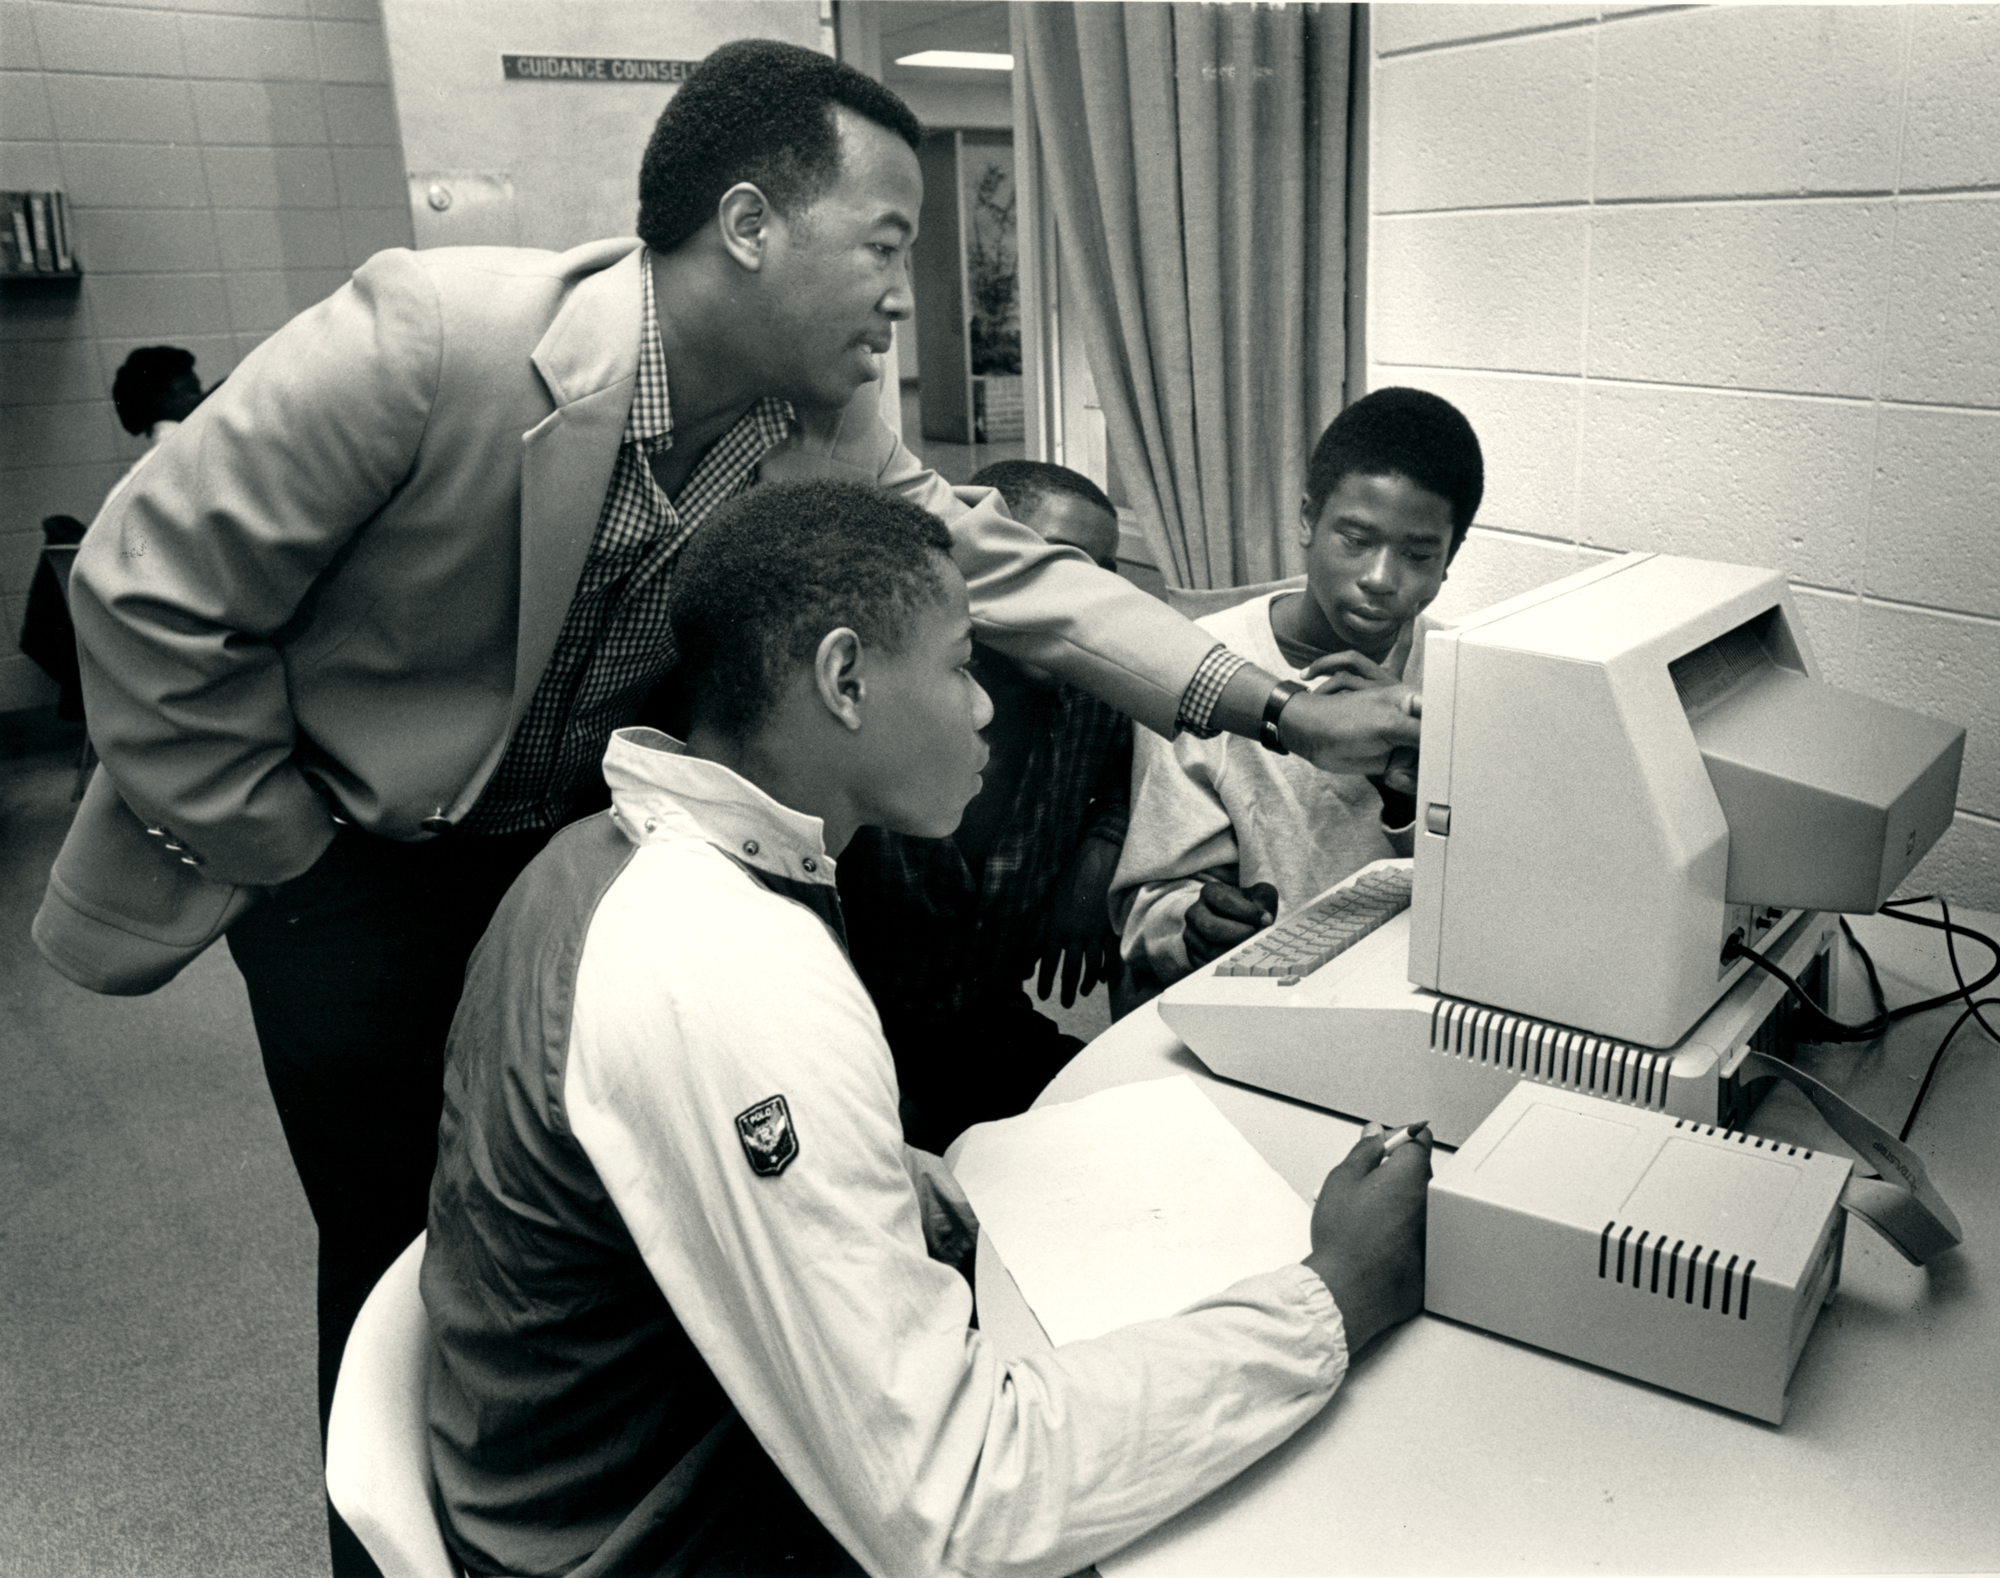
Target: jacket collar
660, 793
593, 343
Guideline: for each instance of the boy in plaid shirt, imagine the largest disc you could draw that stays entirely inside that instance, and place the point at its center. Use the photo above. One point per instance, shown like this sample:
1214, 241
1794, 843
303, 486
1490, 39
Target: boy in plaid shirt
944, 930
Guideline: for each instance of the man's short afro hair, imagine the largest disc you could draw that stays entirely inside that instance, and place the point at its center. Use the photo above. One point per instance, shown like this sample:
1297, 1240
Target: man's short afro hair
1407, 432
143, 381
758, 111
760, 585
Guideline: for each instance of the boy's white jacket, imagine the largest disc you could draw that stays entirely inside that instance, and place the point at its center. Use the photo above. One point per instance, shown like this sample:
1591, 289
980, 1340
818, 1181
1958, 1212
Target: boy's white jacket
701, 993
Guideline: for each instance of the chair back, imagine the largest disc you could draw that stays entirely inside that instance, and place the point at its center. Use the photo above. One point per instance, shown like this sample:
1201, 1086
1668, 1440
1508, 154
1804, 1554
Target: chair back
1198, 602
378, 1456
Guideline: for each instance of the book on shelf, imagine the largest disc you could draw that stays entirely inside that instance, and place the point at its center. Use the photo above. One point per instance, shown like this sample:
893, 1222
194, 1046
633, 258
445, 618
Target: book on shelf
35, 236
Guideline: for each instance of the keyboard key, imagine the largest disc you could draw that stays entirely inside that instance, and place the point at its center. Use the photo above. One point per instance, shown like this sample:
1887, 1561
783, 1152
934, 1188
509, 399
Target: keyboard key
1299, 944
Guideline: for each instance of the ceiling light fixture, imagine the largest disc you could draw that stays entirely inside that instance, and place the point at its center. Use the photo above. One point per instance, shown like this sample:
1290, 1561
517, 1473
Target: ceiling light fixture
957, 60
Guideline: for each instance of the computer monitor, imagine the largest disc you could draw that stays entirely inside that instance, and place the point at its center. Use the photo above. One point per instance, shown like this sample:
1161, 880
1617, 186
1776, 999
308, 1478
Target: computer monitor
1625, 770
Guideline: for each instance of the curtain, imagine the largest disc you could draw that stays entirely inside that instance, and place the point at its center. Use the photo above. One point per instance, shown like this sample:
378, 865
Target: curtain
1194, 161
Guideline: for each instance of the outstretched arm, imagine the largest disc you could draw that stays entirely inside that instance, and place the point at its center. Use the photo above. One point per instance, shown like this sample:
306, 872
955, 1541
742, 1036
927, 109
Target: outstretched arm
1053, 608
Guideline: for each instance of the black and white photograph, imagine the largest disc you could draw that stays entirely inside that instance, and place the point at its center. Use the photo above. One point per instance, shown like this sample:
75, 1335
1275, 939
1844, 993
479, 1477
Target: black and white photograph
999, 788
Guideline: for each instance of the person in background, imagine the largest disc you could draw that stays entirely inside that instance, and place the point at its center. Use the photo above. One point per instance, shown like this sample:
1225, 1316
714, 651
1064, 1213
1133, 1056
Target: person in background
155, 391
944, 930
697, 1306
1223, 835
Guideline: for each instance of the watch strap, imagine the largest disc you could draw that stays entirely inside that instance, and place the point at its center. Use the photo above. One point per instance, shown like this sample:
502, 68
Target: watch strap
1274, 705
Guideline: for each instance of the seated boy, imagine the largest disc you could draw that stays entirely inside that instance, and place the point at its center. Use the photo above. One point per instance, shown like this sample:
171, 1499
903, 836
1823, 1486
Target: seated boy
1224, 832
695, 1302
944, 930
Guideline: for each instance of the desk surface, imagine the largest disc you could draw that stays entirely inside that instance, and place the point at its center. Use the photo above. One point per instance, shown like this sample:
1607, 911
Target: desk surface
1451, 1450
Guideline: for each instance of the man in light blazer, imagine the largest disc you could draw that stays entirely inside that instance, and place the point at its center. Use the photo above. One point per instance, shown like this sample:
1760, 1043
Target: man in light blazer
355, 639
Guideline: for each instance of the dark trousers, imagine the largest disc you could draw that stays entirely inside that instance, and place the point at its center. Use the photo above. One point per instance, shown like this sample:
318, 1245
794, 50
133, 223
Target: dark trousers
353, 972
990, 1061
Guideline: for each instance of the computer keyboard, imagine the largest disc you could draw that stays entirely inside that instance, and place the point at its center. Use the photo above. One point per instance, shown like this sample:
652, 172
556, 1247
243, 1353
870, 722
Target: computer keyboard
1355, 1036
1325, 928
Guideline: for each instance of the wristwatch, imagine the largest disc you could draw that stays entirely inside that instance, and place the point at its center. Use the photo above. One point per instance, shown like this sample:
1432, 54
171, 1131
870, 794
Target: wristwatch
1274, 704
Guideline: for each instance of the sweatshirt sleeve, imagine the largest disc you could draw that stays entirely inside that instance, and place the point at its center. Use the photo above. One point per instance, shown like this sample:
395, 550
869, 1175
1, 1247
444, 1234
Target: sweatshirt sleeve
742, 1115
1179, 836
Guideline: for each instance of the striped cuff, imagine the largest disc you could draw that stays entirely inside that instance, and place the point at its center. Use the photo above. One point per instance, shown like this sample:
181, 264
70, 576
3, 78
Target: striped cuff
1198, 701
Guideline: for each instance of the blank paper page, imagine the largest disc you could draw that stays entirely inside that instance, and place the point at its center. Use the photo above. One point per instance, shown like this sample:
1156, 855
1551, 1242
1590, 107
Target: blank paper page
1128, 1205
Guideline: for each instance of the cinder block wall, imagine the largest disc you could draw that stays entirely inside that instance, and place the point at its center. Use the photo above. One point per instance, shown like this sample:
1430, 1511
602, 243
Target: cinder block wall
1722, 283
228, 163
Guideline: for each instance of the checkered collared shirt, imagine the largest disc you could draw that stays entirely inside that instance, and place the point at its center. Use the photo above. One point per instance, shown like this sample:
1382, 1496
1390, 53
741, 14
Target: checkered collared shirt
933, 934
616, 641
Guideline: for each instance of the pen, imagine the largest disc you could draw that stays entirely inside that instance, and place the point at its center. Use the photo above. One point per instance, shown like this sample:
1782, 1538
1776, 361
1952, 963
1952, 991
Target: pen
1403, 1135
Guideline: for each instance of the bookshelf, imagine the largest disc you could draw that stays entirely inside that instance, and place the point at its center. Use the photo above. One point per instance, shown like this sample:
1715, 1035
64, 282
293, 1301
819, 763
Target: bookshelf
36, 240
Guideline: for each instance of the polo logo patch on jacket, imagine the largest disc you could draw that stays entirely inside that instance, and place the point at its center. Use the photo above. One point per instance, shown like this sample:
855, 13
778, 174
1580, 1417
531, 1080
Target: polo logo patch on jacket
768, 1137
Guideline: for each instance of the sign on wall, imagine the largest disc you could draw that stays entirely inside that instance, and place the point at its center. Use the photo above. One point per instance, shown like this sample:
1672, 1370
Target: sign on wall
593, 68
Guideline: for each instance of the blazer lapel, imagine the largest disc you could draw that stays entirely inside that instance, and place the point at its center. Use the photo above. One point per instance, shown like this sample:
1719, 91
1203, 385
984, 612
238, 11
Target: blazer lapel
589, 359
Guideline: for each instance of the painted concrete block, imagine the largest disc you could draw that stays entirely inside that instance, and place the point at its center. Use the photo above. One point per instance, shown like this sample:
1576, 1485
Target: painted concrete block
130, 175
1749, 479
17, 36
1833, 630
261, 301
248, 342
30, 166
259, 48
370, 177
1964, 866
1749, 99
1527, 431
156, 307
257, 113
1484, 128
109, 39
1493, 566
20, 553
1778, 296
351, 51
37, 315
1398, 27
366, 231
31, 492
1493, 291
361, 114
1951, 133
1944, 313
1934, 529
121, 109
51, 371
1941, 664
66, 435
150, 241
280, 238
278, 8
24, 105
271, 177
